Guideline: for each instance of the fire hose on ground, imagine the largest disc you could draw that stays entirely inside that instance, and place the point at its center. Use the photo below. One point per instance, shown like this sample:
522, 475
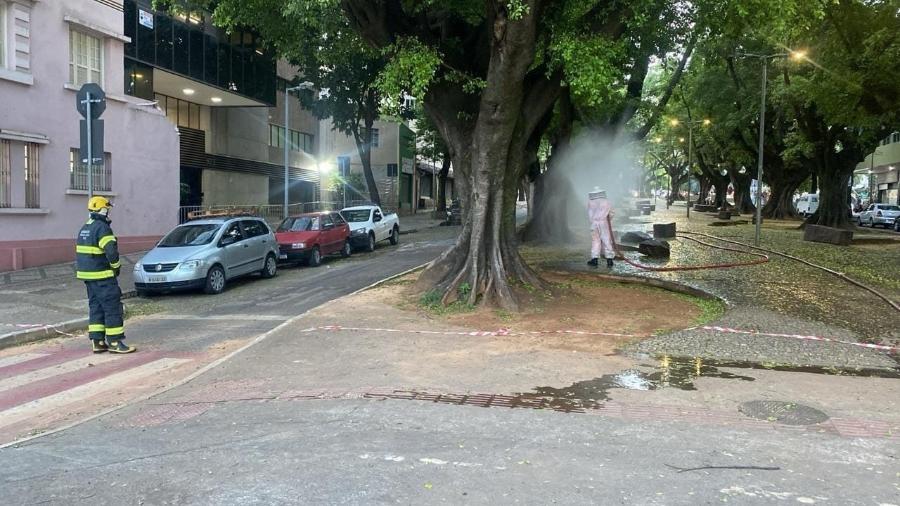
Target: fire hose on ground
762, 258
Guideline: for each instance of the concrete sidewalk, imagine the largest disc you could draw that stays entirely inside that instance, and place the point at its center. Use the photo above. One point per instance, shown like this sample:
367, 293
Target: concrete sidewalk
44, 301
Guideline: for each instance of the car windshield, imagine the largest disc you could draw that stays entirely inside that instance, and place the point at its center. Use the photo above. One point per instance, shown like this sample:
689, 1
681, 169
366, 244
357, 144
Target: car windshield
190, 235
299, 224
890, 208
356, 216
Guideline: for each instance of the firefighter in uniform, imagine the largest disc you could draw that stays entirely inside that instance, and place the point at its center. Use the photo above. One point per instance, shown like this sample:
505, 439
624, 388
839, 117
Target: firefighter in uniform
97, 264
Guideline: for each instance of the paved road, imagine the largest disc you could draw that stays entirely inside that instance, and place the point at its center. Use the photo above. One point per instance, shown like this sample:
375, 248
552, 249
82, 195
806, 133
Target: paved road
51, 384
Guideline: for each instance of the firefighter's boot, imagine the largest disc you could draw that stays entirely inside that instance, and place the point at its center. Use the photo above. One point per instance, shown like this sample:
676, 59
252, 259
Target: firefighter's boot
592, 262
118, 346
609, 262
99, 346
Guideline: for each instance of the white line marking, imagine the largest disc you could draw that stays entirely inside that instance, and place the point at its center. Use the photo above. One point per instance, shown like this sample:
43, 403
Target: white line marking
18, 359
54, 402
54, 370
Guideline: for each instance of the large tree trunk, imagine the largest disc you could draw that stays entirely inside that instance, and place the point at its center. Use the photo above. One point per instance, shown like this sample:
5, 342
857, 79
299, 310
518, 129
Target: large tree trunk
364, 147
485, 258
834, 198
742, 199
783, 184
721, 185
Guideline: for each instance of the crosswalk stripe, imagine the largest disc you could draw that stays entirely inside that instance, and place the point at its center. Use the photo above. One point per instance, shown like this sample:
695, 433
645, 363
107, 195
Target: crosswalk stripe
112, 382
49, 372
18, 359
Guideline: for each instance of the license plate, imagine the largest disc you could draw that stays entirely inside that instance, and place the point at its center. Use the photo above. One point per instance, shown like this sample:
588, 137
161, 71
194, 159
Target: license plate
282, 257
157, 279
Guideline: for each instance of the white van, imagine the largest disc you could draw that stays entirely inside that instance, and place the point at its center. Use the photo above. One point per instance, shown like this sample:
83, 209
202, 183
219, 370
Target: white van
807, 204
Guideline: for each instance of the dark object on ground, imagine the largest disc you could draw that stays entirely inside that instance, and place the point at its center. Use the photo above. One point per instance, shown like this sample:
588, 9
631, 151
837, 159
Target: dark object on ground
818, 233
663, 230
455, 212
654, 248
641, 203
728, 223
703, 208
788, 413
592, 262
635, 237
609, 262
724, 215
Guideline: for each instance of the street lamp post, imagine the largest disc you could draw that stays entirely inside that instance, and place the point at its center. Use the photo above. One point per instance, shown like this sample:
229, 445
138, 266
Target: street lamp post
796, 55
690, 125
287, 128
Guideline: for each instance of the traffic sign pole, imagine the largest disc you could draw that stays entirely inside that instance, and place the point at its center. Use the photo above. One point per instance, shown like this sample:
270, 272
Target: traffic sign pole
90, 154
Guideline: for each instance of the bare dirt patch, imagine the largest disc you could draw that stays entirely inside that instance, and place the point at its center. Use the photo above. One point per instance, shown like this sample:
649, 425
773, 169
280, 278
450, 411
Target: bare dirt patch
575, 302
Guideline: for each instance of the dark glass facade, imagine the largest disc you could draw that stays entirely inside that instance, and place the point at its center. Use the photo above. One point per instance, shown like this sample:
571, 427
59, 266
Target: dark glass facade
187, 44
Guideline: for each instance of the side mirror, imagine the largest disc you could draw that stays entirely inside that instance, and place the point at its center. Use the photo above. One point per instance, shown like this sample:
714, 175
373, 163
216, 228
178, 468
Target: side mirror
227, 240
377, 218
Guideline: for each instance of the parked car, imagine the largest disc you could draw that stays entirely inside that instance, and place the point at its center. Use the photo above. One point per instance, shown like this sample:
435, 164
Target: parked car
879, 214
897, 224
207, 253
308, 237
370, 225
807, 204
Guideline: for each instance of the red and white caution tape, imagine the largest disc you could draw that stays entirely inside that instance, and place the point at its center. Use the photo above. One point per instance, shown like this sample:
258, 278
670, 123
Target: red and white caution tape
800, 336
508, 332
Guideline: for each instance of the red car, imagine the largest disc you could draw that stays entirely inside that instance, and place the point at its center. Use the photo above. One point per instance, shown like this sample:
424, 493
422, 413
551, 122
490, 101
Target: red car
308, 237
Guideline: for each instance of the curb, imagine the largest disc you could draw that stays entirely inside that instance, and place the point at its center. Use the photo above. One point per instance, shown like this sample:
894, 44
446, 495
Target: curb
27, 336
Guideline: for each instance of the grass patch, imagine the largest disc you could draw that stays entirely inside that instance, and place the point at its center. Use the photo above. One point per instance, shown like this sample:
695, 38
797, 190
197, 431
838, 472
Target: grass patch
710, 309
431, 302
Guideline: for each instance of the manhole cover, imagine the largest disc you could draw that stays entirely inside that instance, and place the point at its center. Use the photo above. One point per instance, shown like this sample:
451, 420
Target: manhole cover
788, 413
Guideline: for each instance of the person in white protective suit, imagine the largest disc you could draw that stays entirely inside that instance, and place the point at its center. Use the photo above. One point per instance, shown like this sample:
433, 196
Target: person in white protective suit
600, 213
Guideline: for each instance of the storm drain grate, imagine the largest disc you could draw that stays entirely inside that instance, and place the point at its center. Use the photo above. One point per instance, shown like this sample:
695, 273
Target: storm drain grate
788, 413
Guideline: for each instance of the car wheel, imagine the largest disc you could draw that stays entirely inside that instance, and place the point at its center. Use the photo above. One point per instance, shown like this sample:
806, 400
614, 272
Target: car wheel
315, 257
395, 236
370, 247
346, 250
215, 280
270, 268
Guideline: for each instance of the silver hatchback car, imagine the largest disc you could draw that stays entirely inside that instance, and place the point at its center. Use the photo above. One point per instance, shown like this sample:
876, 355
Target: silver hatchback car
205, 254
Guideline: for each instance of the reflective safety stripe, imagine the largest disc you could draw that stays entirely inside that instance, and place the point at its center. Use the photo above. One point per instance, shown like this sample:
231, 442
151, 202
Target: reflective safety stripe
115, 331
106, 240
89, 250
116, 265
89, 221
95, 275
96, 327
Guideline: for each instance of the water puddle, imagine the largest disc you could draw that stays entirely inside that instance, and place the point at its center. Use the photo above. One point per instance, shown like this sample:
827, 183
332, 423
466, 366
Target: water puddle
671, 372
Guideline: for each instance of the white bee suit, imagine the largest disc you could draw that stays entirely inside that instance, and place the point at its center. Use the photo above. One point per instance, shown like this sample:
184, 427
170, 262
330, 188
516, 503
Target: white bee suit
599, 213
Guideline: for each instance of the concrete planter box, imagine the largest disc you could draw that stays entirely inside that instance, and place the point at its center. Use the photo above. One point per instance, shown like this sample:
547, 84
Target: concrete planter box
817, 233
663, 230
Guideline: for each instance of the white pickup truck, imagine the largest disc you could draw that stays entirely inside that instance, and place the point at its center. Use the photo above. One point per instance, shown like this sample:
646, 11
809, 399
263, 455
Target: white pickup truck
369, 225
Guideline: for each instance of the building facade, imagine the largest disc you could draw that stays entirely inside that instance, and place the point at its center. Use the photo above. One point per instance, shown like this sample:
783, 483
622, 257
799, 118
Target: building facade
43, 185
882, 167
393, 156
225, 92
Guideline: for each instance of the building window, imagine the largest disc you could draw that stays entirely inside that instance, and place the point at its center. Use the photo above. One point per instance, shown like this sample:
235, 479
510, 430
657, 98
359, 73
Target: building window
392, 170
32, 176
375, 138
895, 137
181, 112
5, 175
298, 141
409, 103
85, 59
102, 174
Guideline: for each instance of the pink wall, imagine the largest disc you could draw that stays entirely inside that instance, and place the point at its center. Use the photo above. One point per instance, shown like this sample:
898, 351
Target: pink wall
142, 143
